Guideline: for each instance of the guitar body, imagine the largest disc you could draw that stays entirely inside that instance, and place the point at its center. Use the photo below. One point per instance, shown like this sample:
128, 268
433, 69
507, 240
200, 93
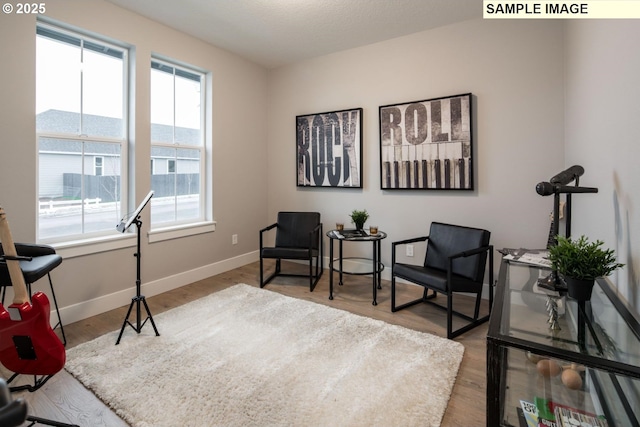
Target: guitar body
29, 345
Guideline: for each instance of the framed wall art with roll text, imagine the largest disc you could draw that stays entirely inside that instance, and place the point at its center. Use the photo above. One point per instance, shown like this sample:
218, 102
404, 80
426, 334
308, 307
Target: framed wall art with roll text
427, 145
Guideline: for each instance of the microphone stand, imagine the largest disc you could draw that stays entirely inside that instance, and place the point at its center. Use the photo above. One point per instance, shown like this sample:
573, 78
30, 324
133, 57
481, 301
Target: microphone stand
138, 298
553, 281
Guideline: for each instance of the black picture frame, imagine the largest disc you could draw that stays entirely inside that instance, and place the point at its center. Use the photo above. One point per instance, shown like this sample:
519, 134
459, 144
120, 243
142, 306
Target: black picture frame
329, 149
427, 144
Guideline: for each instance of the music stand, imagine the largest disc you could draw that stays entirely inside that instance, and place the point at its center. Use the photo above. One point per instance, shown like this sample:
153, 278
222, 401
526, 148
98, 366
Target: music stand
122, 227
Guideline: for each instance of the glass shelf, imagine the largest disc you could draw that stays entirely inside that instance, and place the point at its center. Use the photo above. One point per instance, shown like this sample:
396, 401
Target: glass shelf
598, 340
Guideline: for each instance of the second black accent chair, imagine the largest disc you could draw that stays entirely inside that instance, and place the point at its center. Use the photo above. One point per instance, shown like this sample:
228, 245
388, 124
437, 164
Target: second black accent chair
298, 237
454, 263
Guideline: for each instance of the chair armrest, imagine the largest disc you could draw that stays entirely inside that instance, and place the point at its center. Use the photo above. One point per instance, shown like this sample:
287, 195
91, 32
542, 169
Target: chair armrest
275, 224
470, 252
316, 229
407, 241
404, 242
34, 250
5, 258
31, 249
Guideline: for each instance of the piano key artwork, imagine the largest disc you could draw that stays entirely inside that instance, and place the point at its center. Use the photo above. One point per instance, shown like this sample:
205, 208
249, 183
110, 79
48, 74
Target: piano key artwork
329, 149
426, 145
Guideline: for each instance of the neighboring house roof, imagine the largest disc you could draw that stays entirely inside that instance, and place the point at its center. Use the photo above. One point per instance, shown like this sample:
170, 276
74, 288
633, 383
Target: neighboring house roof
57, 121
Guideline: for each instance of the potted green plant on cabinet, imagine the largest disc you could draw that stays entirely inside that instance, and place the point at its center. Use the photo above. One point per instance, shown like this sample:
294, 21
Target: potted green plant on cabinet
359, 217
580, 262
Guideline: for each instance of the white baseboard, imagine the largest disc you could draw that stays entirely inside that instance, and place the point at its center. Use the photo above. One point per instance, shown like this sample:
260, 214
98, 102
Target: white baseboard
85, 309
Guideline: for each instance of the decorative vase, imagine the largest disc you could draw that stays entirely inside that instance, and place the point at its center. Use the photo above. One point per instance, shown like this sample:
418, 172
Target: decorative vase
359, 225
579, 289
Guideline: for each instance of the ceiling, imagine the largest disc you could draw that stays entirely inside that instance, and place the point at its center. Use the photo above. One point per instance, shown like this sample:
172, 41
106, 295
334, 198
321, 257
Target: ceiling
274, 33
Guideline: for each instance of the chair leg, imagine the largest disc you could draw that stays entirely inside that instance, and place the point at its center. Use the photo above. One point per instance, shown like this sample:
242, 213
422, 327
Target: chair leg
55, 303
395, 307
261, 272
311, 274
450, 315
313, 280
263, 280
477, 311
393, 293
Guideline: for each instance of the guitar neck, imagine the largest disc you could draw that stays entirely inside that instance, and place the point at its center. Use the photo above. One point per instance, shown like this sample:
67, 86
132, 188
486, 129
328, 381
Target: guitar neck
8, 246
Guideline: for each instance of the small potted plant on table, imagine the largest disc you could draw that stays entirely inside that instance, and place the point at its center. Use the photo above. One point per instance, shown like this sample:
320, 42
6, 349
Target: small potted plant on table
580, 262
359, 217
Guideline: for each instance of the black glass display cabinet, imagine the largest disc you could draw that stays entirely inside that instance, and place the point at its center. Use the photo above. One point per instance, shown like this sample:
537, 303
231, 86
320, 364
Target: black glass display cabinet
598, 340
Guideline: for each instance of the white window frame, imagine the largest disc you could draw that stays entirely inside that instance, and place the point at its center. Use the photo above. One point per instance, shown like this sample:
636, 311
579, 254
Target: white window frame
204, 223
84, 243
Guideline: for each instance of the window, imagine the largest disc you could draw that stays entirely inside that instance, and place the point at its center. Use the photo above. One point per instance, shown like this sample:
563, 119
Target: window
177, 144
81, 131
97, 165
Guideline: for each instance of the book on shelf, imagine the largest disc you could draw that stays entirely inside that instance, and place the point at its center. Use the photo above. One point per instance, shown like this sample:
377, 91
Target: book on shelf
567, 416
553, 414
522, 421
530, 413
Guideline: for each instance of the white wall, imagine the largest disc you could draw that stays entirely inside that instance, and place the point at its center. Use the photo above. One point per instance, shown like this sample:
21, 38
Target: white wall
106, 280
602, 112
519, 72
515, 71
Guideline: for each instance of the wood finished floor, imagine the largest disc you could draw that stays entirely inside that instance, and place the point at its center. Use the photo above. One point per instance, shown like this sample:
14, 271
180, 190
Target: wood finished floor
64, 399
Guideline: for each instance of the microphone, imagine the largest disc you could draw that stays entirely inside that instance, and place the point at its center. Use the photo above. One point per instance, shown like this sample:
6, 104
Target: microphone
547, 189
568, 175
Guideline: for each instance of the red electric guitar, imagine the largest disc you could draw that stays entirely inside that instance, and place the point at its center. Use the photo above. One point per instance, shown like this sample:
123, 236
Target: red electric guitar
28, 344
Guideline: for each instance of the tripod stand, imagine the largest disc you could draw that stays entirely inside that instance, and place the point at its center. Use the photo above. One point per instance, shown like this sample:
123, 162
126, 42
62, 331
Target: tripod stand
138, 298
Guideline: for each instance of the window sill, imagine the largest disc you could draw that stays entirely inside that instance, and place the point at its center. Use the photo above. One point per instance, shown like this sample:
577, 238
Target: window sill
175, 232
78, 248
91, 246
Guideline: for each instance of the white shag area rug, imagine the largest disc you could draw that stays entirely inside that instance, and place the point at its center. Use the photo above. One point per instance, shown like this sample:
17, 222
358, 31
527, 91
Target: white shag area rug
246, 356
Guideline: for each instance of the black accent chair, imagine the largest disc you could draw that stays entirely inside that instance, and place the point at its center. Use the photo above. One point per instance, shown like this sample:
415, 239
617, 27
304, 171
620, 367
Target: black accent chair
298, 237
455, 262
36, 262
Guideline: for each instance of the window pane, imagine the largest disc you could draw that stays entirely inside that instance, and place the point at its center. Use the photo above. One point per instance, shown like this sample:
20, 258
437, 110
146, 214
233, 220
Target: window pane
80, 91
57, 86
103, 90
188, 179
187, 111
176, 194
161, 106
73, 200
163, 185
